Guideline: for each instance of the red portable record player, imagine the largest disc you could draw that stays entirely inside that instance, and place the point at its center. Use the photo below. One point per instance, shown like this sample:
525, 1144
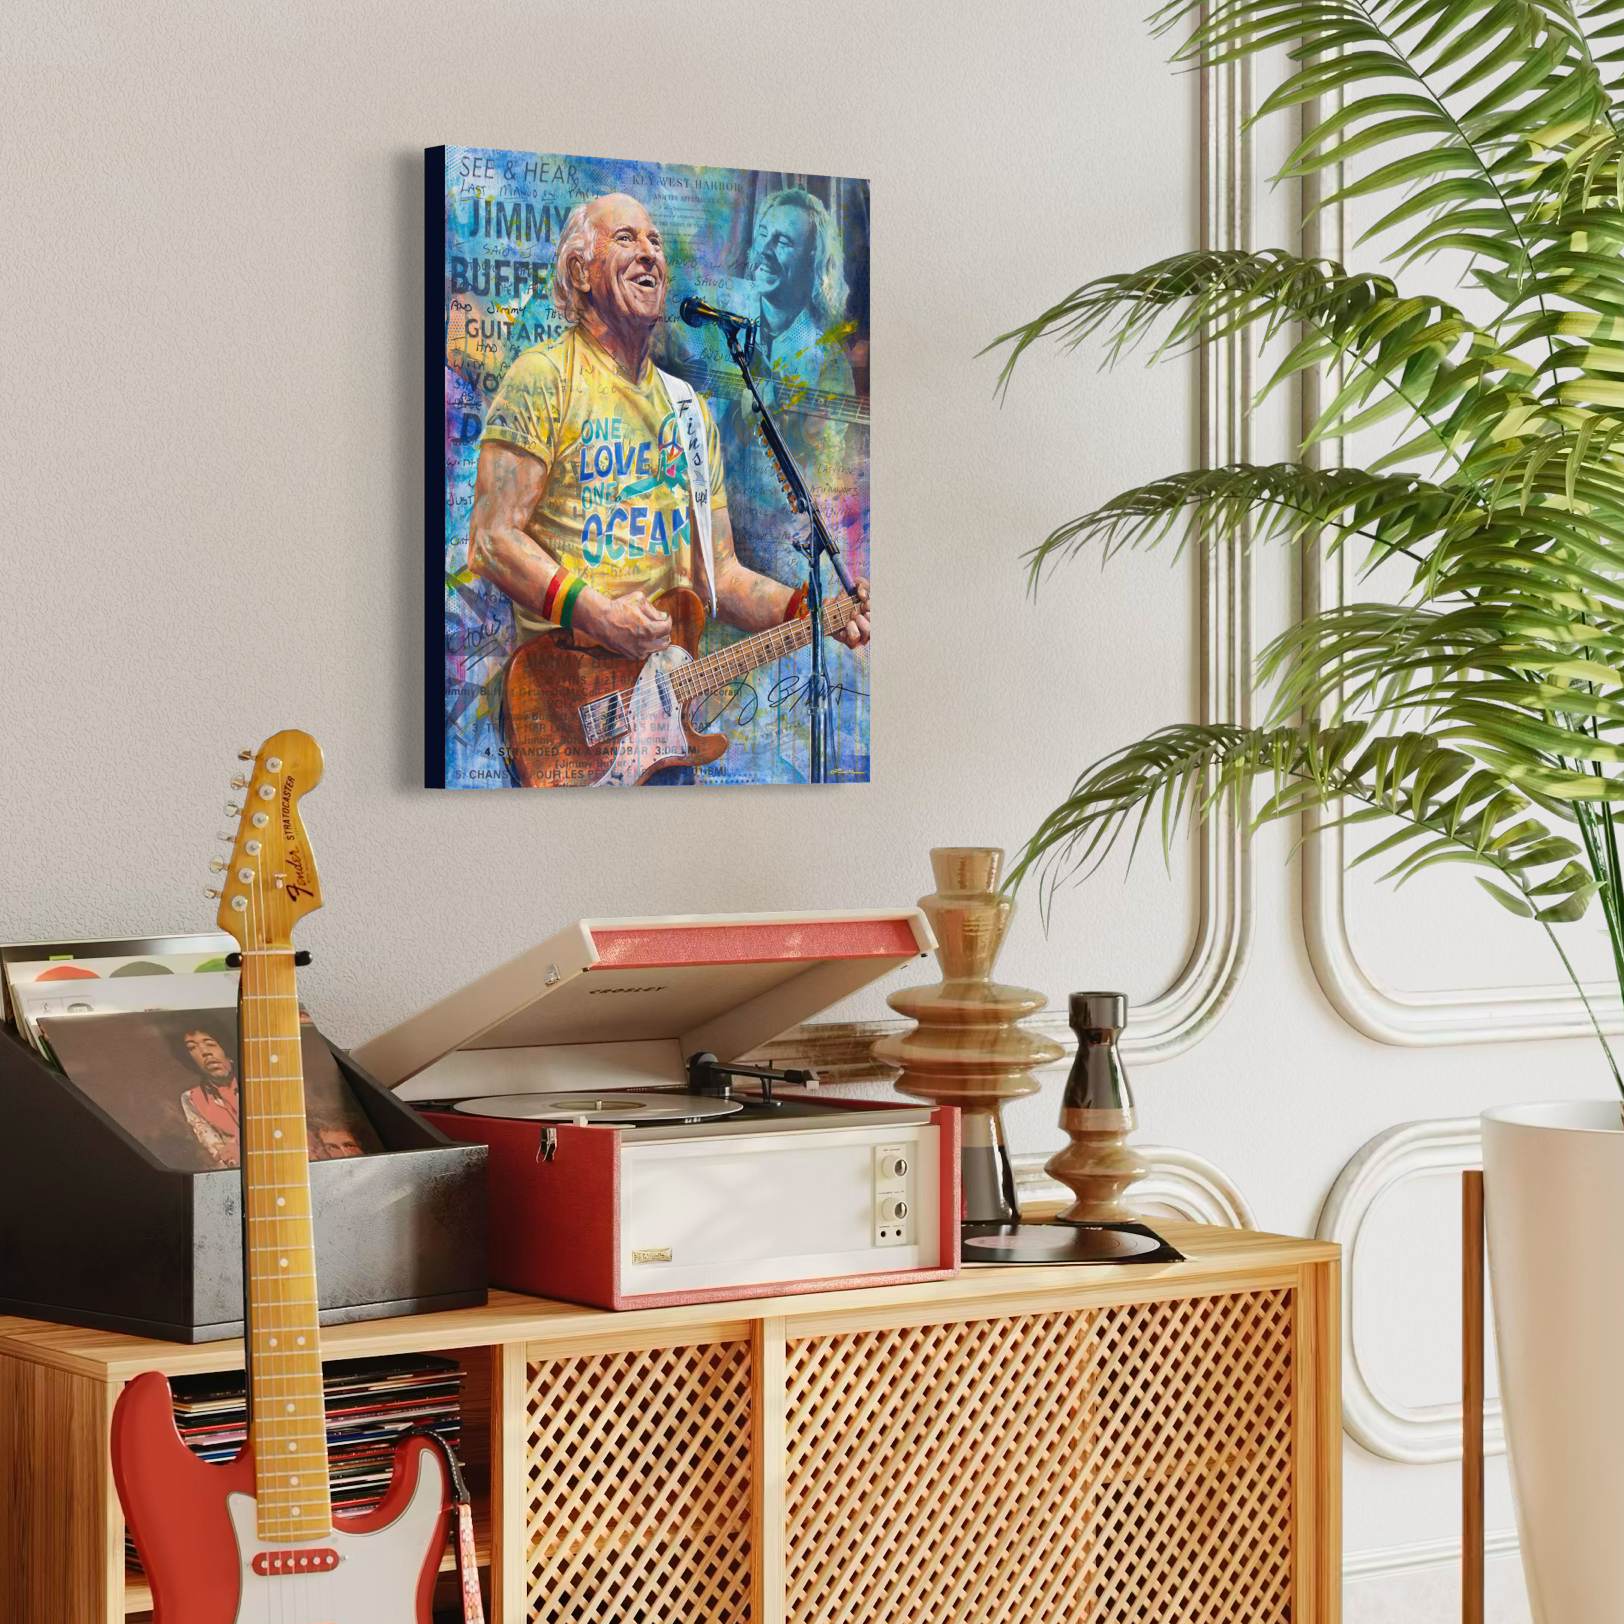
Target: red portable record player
635, 1160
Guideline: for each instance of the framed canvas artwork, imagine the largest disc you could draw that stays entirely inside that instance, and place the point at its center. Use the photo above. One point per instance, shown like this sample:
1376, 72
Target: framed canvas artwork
648, 391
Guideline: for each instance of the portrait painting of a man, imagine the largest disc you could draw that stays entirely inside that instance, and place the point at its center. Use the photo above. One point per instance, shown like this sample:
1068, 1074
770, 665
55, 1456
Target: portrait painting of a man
618, 585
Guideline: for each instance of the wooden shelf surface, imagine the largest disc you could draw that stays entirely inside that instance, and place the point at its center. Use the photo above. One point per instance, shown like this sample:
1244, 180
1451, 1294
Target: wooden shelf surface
1215, 1259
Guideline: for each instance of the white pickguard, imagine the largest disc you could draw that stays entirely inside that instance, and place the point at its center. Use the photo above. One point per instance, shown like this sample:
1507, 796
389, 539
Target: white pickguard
654, 722
375, 1581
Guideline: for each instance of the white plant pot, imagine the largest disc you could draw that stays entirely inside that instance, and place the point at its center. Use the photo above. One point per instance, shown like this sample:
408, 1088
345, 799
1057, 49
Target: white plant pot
1554, 1194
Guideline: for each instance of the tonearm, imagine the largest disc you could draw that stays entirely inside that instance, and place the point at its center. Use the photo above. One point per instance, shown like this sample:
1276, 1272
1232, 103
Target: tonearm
707, 1075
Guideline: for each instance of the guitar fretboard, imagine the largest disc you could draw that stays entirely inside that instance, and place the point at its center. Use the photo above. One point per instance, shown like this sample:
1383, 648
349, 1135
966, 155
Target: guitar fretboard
287, 1416
739, 659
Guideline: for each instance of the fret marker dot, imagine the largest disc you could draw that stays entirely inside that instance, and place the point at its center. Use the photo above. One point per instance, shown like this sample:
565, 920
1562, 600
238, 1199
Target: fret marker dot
293, 1448
293, 1482
276, 1133
283, 1261
296, 1513
299, 1340
290, 1409
281, 1201
273, 1059
271, 1343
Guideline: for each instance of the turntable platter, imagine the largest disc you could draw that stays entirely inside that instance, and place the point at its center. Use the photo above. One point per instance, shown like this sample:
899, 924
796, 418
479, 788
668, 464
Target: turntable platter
608, 1107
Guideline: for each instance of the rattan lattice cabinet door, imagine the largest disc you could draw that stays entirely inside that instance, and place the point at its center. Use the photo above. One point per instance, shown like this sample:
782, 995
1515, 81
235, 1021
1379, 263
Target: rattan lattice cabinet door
1109, 1465
639, 1487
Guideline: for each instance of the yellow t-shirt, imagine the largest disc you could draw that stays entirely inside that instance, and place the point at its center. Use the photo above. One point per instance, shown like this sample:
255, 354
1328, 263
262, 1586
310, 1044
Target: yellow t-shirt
615, 508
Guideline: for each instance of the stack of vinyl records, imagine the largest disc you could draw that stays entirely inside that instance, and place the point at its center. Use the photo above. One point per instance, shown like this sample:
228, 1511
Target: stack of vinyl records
370, 1403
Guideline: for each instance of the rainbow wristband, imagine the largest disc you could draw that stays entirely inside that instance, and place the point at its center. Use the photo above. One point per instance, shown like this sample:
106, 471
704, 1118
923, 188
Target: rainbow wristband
558, 602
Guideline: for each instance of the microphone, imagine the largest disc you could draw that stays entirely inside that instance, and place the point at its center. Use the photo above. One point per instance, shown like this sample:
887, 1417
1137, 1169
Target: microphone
697, 313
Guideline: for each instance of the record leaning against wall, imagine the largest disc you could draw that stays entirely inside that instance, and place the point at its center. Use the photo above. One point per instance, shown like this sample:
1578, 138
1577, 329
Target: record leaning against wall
616, 572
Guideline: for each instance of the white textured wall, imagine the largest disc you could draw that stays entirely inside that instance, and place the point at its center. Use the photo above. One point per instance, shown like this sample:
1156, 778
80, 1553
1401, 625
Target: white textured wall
209, 460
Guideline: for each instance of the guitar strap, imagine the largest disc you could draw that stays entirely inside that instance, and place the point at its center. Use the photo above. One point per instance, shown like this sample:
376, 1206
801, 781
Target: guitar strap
691, 437
462, 1527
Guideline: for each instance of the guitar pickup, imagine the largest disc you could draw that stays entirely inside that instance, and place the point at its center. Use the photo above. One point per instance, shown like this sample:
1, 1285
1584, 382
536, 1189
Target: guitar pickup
272, 1564
603, 718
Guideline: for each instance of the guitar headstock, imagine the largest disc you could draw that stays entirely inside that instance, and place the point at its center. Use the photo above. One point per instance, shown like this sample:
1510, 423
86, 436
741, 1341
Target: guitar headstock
269, 882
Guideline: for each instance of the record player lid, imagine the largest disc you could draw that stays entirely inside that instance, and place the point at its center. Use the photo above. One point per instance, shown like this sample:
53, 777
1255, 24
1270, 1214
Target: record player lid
726, 983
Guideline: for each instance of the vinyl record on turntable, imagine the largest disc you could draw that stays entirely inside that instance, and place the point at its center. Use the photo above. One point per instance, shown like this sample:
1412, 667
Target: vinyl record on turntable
608, 1107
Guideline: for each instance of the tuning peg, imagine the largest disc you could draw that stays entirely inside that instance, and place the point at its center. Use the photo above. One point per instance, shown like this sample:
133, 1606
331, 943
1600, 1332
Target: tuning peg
238, 781
210, 892
245, 755
230, 840
232, 809
219, 864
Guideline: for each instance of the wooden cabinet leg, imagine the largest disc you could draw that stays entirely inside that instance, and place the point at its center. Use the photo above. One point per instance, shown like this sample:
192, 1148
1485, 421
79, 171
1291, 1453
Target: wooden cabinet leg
510, 1441
62, 1535
767, 1471
1317, 1445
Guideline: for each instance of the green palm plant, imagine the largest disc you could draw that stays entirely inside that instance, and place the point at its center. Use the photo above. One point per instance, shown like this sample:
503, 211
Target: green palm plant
1483, 712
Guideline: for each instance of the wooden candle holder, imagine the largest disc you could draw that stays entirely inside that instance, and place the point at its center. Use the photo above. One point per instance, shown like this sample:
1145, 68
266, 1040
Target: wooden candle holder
1097, 1115
968, 1049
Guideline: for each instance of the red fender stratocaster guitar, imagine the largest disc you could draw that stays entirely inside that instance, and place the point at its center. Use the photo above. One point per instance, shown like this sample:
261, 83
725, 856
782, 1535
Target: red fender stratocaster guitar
575, 713
255, 1541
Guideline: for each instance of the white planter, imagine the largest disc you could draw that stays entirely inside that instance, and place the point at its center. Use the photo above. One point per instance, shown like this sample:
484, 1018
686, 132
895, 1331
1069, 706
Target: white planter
1554, 1192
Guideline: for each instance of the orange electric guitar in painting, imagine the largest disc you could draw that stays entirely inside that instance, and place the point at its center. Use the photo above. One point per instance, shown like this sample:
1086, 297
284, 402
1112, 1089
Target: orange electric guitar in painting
573, 712
255, 1540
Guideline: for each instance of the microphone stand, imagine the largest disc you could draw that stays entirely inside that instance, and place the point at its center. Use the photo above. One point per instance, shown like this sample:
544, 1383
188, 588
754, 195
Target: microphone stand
818, 543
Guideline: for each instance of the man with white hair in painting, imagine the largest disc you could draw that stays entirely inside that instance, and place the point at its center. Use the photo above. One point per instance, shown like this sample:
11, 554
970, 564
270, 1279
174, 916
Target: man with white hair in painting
582, 506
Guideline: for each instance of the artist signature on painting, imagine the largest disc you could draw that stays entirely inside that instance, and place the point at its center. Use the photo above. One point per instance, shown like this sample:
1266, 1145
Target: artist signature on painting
785, 697
472, 642
791, 694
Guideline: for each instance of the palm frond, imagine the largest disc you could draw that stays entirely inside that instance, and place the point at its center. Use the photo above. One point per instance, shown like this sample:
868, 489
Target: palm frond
1448, 809
1462, 87
1393, 513
1480, 718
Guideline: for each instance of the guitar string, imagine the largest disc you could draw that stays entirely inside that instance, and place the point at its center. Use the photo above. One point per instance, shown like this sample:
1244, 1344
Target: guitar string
835, 616
258, 1374
278, 1592
754, 651
311, 1388
263, 973
248, 1156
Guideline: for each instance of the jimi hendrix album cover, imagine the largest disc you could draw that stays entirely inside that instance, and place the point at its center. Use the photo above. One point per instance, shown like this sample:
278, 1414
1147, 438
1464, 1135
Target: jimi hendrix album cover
169, 1076
648, 402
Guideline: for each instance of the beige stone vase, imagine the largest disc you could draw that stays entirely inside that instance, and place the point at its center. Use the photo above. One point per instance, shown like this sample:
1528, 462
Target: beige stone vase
968, 1048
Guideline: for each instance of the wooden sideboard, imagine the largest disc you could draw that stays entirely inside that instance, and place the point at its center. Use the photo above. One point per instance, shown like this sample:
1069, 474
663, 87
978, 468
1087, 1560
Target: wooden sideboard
1054, 1445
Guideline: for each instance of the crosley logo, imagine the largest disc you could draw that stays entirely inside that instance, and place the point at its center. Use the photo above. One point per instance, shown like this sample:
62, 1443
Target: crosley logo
604, 992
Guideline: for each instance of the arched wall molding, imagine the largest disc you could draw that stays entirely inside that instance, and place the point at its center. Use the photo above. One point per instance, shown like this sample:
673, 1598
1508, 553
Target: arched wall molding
1180, 1016
1368, 1004
1189, 1184
1427, 1019
1417, 1435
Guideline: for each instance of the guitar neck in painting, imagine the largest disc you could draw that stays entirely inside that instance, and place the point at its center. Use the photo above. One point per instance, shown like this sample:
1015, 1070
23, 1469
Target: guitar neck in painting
611, 715
715, 671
